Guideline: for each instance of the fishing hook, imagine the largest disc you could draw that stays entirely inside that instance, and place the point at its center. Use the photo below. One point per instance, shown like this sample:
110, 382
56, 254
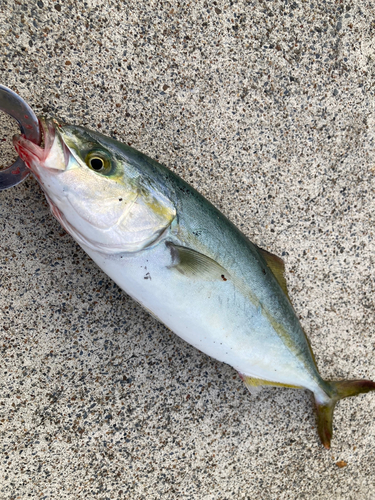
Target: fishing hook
13, 105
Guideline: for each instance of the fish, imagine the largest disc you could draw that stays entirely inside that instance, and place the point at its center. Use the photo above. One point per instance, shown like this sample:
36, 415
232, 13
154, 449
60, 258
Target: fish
179, 257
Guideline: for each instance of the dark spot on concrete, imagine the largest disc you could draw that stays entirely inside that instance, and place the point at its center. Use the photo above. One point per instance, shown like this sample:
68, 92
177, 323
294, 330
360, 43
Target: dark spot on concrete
341, 464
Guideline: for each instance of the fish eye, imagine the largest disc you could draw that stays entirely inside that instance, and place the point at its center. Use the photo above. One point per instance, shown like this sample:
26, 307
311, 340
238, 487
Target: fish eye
98, 162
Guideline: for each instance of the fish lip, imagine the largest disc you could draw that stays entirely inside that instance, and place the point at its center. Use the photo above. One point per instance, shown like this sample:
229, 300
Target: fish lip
33, 154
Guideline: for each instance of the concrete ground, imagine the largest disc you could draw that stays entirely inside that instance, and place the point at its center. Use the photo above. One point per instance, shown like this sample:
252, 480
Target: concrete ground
266, 107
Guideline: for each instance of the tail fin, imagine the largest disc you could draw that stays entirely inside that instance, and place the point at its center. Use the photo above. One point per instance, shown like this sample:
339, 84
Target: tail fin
340, 389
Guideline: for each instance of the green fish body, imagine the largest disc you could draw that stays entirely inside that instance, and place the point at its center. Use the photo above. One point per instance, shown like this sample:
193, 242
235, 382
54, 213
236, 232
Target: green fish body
171, 250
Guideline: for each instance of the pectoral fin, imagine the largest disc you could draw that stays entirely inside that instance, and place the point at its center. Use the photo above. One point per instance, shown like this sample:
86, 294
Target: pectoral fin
193, 264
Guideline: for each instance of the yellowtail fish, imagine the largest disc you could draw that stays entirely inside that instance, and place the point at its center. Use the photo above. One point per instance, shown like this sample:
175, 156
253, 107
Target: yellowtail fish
178, 256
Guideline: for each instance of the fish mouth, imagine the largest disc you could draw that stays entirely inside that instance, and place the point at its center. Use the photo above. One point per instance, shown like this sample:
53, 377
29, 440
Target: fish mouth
54, 155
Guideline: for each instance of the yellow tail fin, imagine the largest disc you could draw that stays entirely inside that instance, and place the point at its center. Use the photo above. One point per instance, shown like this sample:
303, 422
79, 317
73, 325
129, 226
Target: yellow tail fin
340, 389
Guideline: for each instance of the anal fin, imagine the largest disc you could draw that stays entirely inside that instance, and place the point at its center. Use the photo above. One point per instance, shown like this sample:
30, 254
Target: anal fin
255, 384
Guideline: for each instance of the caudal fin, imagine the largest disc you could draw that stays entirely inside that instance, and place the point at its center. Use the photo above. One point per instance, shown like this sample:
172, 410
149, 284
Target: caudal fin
340, 389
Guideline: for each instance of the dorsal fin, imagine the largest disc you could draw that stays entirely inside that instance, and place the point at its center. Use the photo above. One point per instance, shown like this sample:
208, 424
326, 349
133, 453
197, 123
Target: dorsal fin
277, 266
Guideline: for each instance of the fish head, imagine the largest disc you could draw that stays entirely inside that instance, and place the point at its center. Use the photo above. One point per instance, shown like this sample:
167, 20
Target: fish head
98, 194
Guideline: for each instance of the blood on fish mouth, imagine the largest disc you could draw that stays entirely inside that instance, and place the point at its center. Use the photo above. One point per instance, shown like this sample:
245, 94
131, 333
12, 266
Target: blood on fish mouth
29, 151
34, 155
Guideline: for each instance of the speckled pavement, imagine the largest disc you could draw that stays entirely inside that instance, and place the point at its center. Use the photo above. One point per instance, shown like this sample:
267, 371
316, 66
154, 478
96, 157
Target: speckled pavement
266, 107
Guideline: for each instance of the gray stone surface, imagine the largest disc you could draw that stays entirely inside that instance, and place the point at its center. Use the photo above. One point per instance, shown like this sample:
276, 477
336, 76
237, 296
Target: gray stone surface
267, 107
